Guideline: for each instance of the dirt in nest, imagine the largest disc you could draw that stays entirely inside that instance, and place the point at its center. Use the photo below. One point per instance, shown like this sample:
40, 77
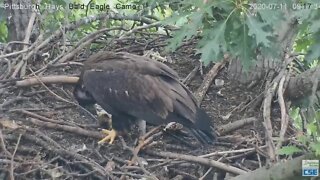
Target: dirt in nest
39, 158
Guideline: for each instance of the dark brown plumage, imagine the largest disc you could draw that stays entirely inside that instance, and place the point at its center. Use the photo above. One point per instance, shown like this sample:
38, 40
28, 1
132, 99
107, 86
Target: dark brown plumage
132, 87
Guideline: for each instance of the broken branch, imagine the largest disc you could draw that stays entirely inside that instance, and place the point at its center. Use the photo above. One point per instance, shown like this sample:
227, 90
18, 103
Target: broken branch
47, 80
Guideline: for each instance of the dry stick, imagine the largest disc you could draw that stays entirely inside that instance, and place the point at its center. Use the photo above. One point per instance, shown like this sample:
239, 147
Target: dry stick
43, 136
51, 92
200, 160
138, 176
87, 20
155, 24
8, 68
191, 75
222, 157
23, 63
3, 145
47, 80
83, 43
26, 40
58, 97
229, 152
64, 153
269, 93
225, 129
12, 158
15, 53
142, 142
206, 174
284, 116
267, 117
227, 116
202, 90
139, 161
11, 101
39, 167
14, 42
185, 175
69, 27
66, 64
75, 130
59, 32
34, 115
17, 68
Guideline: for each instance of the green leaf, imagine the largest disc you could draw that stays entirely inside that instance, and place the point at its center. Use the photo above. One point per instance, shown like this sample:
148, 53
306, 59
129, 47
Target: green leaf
271, 17
256, 30
302, 15
189, 29
312, 128
315, 26
316, 147
213, 44
313, 52
175, 18
2, 13
3, 31
244, 46
288, 150
302, 45
309, 17
303, 139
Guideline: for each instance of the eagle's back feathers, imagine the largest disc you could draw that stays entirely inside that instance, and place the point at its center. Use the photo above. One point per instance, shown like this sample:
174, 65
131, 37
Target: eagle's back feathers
142, 88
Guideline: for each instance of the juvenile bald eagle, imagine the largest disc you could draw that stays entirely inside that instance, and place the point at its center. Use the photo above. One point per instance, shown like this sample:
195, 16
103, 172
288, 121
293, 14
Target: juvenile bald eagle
132, 87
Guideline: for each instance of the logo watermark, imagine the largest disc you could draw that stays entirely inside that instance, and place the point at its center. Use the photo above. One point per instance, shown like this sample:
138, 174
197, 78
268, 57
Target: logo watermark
310, 168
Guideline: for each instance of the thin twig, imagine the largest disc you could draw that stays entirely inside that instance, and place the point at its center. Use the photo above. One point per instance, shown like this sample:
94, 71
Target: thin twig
72, 129
3, 145
34, 115
232, 151
200, 160
12, 158
83, 43
135, 158
191, 75
139, 28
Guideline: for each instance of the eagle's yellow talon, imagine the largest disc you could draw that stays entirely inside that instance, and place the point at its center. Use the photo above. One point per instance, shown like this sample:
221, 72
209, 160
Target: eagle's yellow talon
111, 135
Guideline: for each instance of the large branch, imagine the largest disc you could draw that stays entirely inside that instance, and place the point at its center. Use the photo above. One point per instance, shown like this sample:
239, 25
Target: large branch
301, 85
202, 90
290, 169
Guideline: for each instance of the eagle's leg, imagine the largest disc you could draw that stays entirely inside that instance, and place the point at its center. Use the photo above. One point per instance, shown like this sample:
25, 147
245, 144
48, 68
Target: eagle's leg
142, 127
120, 124
111, 135
105, 120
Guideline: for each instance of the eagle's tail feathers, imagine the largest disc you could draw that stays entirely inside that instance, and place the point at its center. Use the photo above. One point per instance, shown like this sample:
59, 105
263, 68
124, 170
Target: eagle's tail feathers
203, 123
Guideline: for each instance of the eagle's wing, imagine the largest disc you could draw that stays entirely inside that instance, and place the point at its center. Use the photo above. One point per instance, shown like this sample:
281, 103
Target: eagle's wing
126, 61
143, 89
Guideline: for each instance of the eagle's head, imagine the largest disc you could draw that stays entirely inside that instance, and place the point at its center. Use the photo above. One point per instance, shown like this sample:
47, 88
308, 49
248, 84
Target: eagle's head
83, 97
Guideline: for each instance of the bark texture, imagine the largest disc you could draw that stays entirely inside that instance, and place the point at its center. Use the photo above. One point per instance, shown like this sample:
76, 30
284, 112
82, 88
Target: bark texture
17, 20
